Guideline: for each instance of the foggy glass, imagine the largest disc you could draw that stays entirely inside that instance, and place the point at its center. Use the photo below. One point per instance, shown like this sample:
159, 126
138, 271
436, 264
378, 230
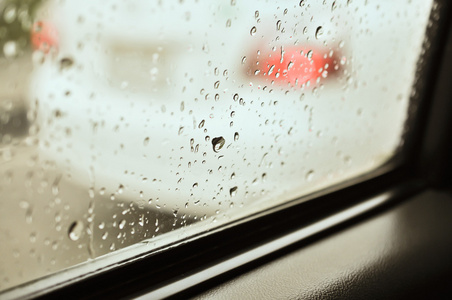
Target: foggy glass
131, 121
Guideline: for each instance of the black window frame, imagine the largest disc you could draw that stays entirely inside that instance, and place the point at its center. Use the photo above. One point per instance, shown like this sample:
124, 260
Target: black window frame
427, 165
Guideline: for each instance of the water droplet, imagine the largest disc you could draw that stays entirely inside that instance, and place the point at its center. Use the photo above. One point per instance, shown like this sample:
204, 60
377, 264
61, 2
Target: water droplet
253, 31
181, 130
122, 224
218, 143
124, 85
236, 136
333, 6
195, 185
201, 124
309, 54
205, 48
256, 14
55, 185
347, 160
10, 14
91, 192
66, 63
10, 49
120, 189
154, 72
235, 97
233, 191
33, 237
228, 23
278, 25
146, 141
243, 59
216, 84
318, 32
310, 175
301, 3
75, 230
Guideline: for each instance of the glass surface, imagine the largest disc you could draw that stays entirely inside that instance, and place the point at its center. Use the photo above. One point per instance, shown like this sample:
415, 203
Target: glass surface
130, 121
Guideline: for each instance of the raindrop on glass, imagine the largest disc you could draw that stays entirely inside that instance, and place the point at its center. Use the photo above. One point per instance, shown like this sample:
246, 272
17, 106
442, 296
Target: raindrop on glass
75, 230
233, 191
318, 32
66, 63
253, 31
218, 143
10, 49
122, 224
310, 175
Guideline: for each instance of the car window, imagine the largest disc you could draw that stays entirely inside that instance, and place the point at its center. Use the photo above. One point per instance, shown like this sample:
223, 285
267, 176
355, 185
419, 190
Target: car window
131, 121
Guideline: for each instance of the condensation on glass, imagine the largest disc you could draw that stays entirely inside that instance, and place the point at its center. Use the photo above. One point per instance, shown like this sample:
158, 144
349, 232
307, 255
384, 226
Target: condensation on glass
126, 121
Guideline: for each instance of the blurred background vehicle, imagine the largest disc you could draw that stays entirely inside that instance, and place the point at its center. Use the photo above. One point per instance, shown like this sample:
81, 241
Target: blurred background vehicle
123, 100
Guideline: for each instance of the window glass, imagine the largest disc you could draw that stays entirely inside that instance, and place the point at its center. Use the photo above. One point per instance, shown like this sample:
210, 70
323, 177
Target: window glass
130, 121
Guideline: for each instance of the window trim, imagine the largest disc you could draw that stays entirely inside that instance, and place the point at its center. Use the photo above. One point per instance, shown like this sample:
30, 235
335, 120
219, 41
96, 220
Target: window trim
136, 275
187, 281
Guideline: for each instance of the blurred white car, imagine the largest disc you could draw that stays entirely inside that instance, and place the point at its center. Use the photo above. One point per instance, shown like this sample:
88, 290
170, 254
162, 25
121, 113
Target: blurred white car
208, 106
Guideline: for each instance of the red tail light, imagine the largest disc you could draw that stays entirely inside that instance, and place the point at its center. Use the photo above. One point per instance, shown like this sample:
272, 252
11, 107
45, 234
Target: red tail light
295, 66
44, 36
